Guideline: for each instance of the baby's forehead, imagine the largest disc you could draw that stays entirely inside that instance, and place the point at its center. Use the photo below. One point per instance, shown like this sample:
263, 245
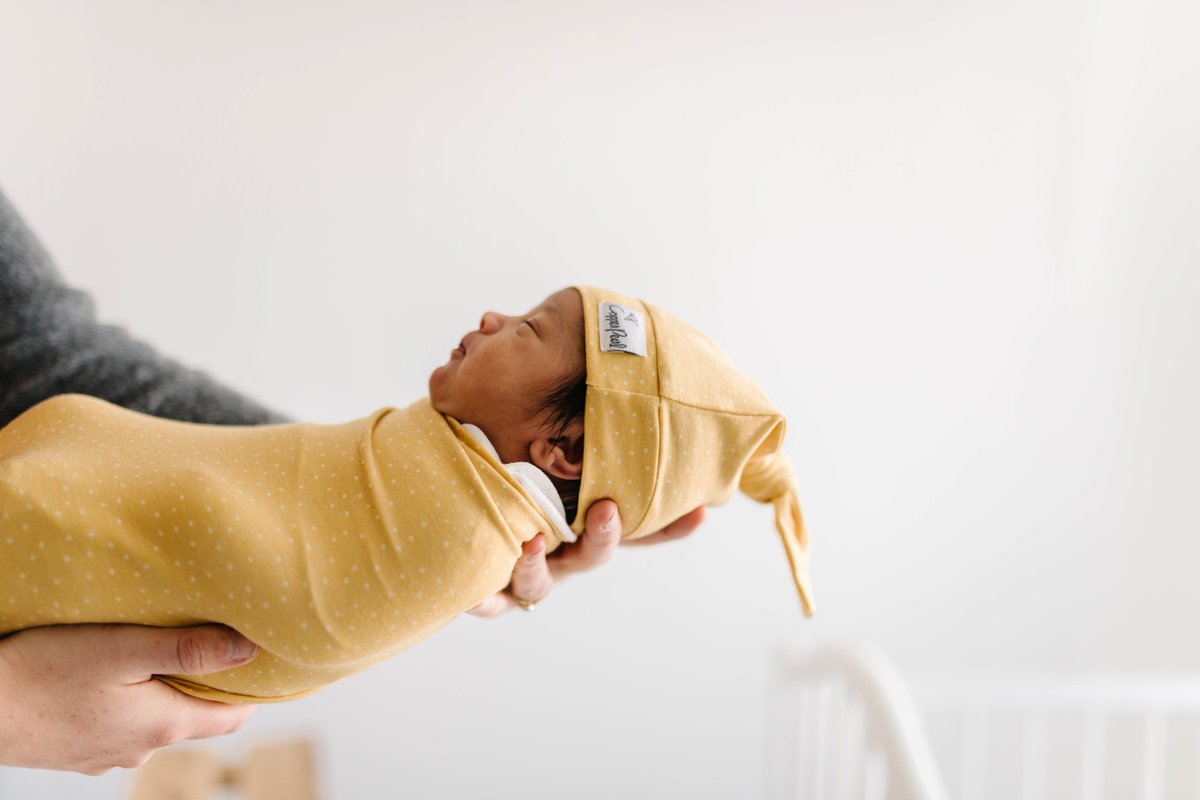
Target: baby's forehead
566, 306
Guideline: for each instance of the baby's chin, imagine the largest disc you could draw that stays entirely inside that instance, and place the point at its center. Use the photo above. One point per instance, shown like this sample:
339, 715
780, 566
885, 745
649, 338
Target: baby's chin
435, 395
438, 399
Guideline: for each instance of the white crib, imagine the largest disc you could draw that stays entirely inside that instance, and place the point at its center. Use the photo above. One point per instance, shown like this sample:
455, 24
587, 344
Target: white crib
844, 725
841, 724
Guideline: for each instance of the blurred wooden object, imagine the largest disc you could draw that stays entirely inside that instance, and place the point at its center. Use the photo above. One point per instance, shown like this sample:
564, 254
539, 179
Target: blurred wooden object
276, 771
179, 774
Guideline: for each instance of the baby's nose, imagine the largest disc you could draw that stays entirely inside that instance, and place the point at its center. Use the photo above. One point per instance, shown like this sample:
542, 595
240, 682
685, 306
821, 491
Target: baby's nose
491, 321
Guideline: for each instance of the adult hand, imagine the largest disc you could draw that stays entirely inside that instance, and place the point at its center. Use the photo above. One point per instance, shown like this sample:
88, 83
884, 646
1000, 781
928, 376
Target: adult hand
535, 573
80, 697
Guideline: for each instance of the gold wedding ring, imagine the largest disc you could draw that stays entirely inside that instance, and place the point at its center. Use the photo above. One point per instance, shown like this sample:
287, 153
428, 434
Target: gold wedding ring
525, 604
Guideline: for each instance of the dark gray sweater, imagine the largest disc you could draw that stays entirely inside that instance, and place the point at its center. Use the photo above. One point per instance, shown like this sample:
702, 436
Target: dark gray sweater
51, 343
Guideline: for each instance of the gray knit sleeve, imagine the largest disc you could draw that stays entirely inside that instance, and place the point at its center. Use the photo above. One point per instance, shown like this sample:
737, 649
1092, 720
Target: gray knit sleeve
51, 343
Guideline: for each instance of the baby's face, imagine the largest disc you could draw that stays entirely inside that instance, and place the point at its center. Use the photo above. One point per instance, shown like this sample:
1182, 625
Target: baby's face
501, 374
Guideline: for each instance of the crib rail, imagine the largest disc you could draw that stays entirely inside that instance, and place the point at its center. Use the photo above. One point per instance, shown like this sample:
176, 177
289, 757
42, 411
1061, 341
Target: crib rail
1086, 738
842, 726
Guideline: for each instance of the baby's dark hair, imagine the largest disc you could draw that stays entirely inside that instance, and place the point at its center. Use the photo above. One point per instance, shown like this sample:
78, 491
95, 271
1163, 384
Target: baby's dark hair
563, 405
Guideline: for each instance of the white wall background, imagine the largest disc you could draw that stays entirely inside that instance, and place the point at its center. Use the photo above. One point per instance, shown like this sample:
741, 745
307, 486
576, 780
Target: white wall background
956, 243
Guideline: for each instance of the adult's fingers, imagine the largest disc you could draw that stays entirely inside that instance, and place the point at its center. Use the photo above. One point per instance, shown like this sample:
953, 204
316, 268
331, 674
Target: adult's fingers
191, 717
599, 541
196, 650
535, 572
531, 580
70, 692
676, 530
492, 606
138, 651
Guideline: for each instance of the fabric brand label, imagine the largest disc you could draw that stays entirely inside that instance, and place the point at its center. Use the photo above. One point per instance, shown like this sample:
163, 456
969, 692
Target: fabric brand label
622, 330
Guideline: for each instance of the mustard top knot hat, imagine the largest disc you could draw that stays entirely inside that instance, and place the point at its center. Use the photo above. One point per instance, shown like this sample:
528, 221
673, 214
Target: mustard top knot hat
671, 424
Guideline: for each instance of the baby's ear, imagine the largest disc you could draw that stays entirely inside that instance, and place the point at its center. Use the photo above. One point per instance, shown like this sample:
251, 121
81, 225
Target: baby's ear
560, 455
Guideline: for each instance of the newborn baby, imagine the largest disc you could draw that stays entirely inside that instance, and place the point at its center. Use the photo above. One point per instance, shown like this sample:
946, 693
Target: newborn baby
334, 547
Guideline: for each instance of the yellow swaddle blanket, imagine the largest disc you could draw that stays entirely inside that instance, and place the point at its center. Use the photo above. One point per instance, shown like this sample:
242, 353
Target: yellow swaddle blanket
334, 547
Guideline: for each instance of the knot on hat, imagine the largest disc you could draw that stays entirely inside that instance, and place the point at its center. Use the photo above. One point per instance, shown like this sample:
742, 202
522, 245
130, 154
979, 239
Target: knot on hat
770, 478
767, 477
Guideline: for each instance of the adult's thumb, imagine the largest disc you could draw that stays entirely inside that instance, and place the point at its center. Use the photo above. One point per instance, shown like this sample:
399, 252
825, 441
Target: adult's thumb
197, 650
603, 518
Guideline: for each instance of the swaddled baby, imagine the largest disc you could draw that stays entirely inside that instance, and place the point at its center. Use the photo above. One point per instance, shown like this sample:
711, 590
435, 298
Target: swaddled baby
334, 547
